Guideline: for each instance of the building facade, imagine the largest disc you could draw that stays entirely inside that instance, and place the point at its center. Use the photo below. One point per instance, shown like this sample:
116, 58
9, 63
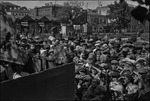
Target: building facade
95, 21
48, 10
134, 25
15, 10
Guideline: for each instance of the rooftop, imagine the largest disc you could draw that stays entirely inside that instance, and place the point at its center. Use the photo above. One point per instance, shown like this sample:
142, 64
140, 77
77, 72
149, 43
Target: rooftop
18, 10
54, 5
10, 4
40, 18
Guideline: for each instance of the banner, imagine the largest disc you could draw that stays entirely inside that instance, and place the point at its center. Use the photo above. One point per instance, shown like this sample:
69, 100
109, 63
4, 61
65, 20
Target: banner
51, 84
7, 24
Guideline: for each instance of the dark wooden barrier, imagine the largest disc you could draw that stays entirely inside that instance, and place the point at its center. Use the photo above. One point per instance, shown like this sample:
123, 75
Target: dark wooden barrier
51, 84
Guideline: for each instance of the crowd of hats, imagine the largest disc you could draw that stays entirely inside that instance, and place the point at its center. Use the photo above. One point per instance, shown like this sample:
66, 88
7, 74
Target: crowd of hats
104, 68
110, 69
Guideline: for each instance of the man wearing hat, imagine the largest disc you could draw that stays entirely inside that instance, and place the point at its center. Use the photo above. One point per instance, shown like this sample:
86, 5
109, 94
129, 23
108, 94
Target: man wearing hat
90, 61
128, 64
115, 85
114, 65
141, 63
126, 76
104, 56
89, 94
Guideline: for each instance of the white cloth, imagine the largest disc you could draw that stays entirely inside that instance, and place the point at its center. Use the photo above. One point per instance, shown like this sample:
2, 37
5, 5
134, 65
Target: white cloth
51, 38
15, 76
131, 88
115, 86
42, 51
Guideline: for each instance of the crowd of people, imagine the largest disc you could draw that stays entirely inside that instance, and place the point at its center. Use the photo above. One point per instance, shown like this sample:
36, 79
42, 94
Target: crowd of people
105, 69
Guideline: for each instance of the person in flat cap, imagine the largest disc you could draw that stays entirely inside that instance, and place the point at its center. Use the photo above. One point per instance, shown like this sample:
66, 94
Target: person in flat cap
114, 64
90, 60
141, 65
103, 57
97, 57
99, 93
114, 74
82, 73
127, 77
89, 94
128, 64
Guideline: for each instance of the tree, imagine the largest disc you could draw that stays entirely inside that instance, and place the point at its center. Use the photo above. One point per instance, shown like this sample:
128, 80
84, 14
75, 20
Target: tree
119, 15
72, 14
72, 9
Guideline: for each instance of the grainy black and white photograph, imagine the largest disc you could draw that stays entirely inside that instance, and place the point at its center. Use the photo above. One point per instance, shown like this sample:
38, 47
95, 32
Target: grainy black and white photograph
74, 50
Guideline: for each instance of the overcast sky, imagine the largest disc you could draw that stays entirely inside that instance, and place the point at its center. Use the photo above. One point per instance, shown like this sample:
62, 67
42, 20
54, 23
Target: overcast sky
92, 4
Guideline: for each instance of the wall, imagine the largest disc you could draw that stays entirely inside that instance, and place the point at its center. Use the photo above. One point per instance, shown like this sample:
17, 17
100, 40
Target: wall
45, 11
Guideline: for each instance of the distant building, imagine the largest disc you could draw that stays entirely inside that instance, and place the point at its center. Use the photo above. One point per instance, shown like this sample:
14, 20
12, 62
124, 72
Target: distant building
48, 10
10, 6
134, 25
102, 10
15, 10
96, 21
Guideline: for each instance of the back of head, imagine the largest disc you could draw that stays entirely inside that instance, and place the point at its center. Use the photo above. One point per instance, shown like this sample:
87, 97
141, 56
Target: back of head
8, 36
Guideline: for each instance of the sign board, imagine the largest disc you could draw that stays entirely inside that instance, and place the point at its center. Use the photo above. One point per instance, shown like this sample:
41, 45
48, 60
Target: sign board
41, 24
24, 23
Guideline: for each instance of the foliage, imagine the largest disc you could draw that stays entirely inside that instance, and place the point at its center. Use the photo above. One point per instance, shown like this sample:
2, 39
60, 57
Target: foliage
119, 15
70, 11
